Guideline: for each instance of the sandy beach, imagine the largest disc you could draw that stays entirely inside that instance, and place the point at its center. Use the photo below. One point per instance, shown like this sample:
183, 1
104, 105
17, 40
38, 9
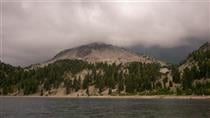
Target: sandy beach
119, 97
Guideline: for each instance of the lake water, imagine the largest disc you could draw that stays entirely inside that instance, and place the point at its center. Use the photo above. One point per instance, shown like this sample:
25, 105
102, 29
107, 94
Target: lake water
102, 108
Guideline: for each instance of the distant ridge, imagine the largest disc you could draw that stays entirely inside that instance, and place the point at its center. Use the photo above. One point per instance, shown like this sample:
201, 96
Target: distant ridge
205, 46
198, 56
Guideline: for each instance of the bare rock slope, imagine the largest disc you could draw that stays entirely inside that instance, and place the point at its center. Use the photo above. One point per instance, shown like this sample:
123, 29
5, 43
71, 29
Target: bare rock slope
100, 52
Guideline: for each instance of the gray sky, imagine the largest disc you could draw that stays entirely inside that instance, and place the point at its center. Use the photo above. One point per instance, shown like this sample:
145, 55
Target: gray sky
34, 31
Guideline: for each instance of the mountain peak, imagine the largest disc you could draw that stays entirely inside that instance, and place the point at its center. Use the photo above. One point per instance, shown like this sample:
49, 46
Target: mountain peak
96, 45
102, 52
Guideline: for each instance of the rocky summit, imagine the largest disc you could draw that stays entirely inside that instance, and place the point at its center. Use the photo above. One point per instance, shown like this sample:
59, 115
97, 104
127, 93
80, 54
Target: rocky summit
101, 52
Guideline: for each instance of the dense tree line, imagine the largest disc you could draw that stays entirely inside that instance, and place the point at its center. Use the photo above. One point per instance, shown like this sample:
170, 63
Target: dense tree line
195, 79
129, 78
132, 77
199, 71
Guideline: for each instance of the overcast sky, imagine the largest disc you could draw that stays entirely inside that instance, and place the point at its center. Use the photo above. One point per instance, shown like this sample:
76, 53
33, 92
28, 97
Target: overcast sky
34, 31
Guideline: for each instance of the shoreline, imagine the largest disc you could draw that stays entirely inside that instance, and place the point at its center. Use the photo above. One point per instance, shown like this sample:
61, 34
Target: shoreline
115, 97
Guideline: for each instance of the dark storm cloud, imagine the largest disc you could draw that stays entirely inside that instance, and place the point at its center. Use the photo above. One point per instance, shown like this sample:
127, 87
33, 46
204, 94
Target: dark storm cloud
34, 31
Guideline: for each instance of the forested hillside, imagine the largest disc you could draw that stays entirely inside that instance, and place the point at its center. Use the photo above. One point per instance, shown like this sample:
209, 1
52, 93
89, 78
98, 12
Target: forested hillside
196, 71
81, 78
131, 78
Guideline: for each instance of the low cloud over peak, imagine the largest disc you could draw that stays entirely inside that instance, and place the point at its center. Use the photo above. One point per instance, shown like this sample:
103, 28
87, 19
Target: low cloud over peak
35, 31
